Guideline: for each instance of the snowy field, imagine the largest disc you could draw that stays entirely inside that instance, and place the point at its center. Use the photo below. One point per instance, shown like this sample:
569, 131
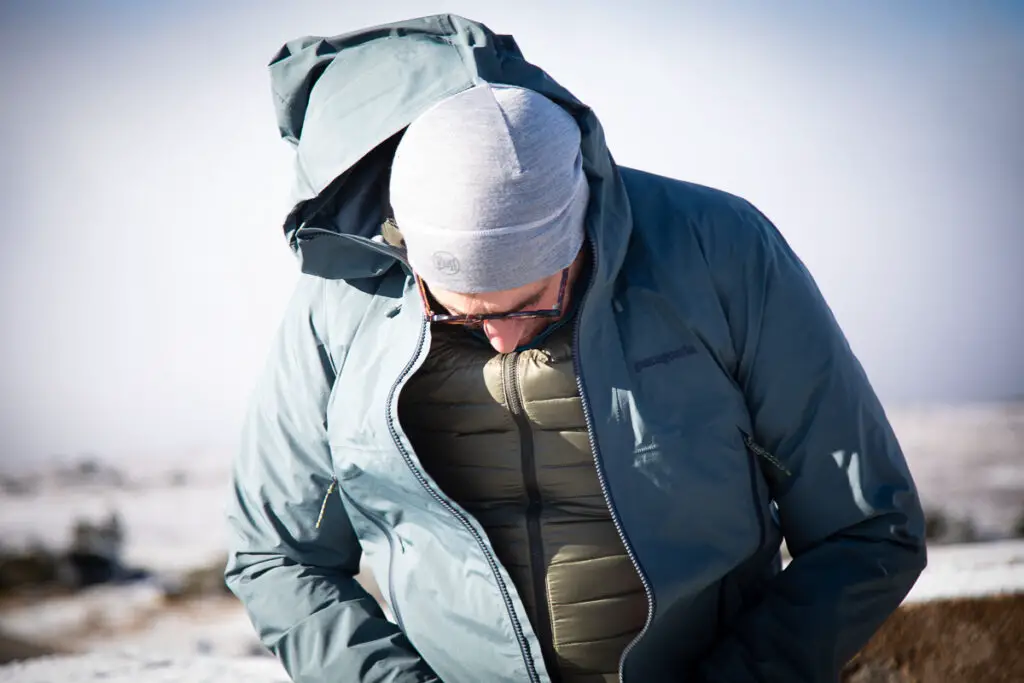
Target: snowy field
172, 509
133, 668
968, 462
210, 648
975, 570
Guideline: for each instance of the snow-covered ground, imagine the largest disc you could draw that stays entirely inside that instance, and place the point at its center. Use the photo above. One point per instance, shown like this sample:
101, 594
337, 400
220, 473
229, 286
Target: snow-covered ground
213, 644
975, 570
137, 668
172, 509
968, 462
134, 618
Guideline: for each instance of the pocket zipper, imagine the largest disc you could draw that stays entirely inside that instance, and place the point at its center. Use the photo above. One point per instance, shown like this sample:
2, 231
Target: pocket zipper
323, 506
760, 451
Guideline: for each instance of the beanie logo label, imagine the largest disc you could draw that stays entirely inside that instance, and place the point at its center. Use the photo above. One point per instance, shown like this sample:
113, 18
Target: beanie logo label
446, 263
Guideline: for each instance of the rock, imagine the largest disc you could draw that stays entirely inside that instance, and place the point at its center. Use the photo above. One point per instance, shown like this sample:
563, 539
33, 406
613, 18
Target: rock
257, 650
105, 539
1018, 526
94, 557
178, 479
941, 529
88, 471
198, 583
33, 566
14, 649
95, 554
11, 485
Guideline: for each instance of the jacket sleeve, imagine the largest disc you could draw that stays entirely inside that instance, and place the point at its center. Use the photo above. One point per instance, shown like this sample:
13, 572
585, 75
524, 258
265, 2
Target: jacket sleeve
297, 582
847, 504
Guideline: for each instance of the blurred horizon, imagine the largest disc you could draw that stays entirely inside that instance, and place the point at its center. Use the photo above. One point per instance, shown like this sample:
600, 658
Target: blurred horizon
143, 186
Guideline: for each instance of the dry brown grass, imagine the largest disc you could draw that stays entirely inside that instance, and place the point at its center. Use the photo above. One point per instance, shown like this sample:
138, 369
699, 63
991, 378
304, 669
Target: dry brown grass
970, 640
13, 649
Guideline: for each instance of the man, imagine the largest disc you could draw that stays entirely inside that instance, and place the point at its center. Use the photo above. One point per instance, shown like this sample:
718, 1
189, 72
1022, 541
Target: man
565, 411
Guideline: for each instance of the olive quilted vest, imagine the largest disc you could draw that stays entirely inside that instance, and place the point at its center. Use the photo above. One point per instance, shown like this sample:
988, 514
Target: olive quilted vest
504, 436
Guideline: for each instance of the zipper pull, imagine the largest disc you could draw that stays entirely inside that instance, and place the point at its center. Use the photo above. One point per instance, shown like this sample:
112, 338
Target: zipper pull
323, 506
762, 452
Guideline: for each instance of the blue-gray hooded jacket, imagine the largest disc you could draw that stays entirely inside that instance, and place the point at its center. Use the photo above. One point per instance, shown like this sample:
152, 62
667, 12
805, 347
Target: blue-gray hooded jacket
725, 409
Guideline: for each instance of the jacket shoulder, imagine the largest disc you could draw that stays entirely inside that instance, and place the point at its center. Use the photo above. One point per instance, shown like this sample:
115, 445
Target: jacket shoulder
644, 185
660, 203
683, 221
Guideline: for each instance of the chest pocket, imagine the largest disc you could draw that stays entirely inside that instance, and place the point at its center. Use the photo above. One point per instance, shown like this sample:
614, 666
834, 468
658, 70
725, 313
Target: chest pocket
692, 453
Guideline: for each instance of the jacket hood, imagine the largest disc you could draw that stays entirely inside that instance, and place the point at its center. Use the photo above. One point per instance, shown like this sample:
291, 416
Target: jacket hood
344, 102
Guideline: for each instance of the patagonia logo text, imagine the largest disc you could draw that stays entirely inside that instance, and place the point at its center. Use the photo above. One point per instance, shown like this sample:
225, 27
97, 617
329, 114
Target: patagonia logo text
667, 357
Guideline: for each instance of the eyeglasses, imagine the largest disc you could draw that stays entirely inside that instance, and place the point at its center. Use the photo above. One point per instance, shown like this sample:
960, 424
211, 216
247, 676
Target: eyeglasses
475, 319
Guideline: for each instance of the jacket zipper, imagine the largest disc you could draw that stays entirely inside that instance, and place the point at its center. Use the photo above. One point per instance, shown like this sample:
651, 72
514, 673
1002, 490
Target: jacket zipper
514, 400
588, 418
391, 545
517, 627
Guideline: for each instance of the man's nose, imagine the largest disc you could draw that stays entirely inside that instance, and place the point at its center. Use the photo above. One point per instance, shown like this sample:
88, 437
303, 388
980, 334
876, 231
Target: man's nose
505, 335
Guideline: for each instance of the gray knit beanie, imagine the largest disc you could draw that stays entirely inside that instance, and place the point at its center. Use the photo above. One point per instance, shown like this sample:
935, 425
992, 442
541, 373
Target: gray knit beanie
488, 190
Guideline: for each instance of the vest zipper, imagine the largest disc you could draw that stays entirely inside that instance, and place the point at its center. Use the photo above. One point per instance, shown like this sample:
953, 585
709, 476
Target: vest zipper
514, 400
517, 627
588, 418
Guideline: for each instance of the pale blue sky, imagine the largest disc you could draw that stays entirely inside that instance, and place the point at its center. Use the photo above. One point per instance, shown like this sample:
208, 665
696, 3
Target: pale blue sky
142, 185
